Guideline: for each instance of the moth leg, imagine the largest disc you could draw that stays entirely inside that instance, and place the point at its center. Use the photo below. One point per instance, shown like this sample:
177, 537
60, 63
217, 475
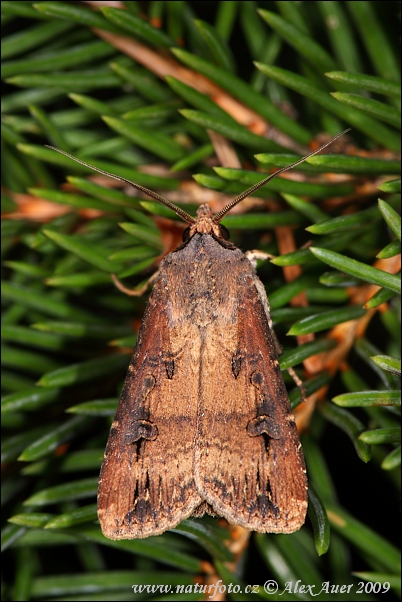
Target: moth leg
252, 256
299, 383
135, 292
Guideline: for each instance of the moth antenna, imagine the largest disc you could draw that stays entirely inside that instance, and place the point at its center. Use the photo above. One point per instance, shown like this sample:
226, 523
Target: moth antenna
185, 216
217, 218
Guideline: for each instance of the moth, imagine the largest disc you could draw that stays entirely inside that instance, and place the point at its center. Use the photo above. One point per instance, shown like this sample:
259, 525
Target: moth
204, 422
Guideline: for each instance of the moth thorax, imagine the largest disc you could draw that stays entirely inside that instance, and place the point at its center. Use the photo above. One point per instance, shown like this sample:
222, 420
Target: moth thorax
204, 223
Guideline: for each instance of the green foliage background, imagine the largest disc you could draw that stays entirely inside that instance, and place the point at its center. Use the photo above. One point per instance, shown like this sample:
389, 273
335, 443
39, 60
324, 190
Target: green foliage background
334, 65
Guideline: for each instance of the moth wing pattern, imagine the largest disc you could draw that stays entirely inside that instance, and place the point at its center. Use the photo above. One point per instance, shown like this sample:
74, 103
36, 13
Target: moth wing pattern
146, 485
249, 444
204, 422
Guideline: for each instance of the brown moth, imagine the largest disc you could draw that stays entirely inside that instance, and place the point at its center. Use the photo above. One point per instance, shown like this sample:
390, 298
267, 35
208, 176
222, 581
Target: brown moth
204, 422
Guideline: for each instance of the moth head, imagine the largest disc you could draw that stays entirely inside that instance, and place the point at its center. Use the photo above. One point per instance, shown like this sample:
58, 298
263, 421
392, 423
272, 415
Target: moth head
205, 222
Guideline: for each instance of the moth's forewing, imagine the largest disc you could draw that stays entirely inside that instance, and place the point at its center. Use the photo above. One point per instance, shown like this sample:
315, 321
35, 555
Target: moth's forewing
146, 484
249, 462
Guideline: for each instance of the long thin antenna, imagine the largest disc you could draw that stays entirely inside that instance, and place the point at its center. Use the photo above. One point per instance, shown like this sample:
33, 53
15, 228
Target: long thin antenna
185, 216
243, 195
